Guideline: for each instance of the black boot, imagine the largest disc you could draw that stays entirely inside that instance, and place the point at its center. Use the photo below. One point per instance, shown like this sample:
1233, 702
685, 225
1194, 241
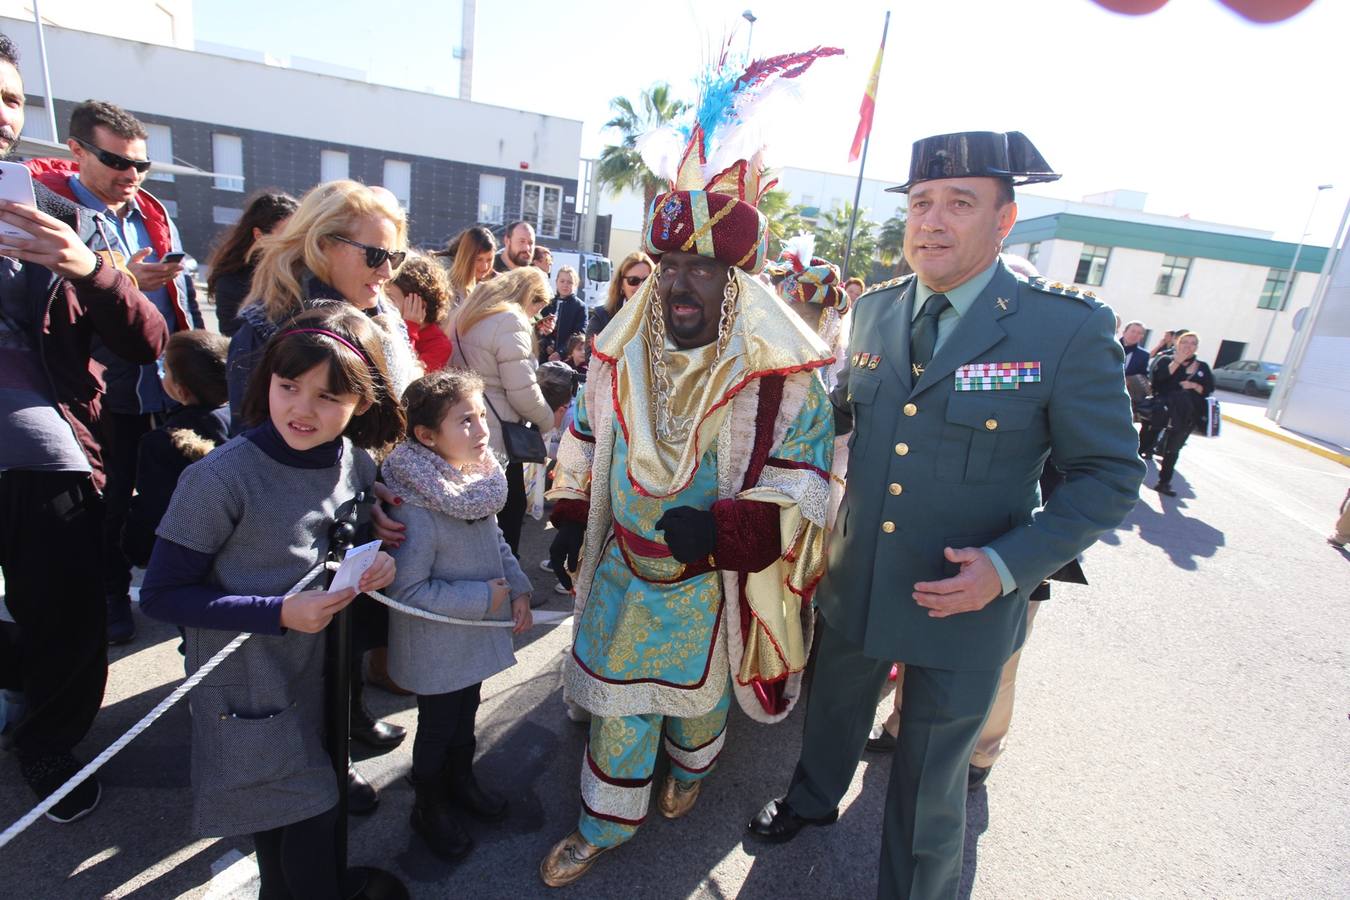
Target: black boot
365, 728
463, 790
362, 798
434, 820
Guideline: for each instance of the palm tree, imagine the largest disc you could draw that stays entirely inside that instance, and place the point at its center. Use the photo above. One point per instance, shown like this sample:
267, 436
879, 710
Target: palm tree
785, 219
621, 167
891, 241
832, 240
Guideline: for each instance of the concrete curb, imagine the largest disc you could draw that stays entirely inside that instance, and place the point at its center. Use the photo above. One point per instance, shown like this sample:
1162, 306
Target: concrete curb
1279, 435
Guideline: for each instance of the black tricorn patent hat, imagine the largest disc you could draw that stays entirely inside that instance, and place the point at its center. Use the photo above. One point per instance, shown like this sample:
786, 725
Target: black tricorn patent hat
977, 154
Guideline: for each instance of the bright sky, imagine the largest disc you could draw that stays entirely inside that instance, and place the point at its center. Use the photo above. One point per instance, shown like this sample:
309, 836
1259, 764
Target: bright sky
1210, 115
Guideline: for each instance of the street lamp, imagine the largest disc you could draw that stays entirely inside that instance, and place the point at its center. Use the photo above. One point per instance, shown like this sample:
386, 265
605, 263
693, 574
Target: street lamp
750, 40
1289, 284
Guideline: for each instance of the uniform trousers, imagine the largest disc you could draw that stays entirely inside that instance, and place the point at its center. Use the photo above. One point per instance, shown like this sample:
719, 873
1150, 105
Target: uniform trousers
924, 826
57, 649
620, 757
990, 745
1342, 533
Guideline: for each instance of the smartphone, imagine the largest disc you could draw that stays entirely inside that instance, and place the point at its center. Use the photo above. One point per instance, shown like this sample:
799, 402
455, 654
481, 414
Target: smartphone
16, 184
173, 258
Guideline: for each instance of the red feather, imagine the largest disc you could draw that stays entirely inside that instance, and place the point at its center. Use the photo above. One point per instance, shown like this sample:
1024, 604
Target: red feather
786, 65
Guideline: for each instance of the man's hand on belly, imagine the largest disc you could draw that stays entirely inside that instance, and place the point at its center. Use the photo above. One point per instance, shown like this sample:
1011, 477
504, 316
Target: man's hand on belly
972, 589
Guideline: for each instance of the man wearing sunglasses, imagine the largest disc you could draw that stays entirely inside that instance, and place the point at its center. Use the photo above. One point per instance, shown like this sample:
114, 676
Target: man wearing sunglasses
110, 165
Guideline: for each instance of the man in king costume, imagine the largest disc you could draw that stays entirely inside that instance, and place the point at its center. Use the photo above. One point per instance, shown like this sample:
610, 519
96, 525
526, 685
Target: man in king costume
696, 479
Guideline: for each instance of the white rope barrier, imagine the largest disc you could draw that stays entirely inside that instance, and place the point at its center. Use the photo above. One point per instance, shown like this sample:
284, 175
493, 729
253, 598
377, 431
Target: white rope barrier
37, 812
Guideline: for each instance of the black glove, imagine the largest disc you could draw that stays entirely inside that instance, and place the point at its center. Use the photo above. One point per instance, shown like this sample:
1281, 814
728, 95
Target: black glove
691, 534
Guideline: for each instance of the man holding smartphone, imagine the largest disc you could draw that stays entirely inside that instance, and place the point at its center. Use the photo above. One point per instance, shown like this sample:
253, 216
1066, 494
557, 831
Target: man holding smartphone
60, 291
108, 144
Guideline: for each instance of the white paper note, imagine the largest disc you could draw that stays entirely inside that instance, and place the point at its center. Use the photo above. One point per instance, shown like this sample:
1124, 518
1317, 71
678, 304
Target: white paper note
354, 565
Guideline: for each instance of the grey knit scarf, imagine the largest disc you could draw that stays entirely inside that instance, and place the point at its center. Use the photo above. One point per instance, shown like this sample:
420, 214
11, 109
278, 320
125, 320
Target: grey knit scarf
418, 475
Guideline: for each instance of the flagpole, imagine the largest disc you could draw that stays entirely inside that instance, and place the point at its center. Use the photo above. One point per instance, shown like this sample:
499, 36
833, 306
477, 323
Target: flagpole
862, 167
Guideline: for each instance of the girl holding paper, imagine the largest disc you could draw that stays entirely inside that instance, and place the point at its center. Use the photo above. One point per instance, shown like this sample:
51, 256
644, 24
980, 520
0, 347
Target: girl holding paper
456, 563
246, 523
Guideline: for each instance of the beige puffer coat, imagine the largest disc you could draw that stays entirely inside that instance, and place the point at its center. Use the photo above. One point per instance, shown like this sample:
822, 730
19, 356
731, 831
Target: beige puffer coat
500, 349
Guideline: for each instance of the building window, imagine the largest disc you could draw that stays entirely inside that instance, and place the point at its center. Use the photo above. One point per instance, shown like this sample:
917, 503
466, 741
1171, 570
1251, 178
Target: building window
1033, 251
159, 147
491, 200
227, 159
1273, 294
170, 207
398, 180
541, 206
36, 124
226, 215
1172, 278
332, 165
1092, 265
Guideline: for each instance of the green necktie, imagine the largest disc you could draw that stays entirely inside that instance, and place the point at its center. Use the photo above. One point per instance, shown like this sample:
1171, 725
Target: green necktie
923, 335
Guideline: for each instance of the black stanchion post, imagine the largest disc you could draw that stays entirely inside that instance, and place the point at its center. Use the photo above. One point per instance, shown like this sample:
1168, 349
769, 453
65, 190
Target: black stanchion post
360, 882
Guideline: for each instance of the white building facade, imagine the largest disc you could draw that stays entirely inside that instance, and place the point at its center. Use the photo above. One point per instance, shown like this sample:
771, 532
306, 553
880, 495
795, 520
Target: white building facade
1225, 283
452, 163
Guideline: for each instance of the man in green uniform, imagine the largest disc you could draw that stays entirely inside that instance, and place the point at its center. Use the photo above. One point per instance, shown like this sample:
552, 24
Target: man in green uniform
963, 379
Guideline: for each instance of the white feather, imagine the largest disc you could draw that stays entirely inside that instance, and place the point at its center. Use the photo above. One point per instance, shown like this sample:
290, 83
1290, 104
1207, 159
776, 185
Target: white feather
662, 149
802, 246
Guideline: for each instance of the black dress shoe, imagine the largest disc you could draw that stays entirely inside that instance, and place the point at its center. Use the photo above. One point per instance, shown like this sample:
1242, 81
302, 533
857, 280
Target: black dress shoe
777, 822
375, 734
1165, 488
362, 797
882, 743
977, 776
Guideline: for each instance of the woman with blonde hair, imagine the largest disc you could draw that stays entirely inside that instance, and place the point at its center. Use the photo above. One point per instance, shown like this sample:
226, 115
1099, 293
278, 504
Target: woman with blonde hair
634, 269
343, 244
493, 335
469, 258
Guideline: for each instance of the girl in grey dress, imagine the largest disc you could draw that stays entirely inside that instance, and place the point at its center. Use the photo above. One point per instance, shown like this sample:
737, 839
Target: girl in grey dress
245, 524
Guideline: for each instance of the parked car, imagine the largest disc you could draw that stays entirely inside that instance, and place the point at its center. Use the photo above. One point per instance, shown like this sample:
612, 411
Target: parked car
1249, 376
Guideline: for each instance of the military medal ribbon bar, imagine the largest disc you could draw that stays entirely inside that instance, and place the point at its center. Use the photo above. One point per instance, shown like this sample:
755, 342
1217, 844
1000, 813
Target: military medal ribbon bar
997, 376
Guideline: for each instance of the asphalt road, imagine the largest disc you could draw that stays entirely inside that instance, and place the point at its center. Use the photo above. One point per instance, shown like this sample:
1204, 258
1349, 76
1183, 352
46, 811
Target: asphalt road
1181, 731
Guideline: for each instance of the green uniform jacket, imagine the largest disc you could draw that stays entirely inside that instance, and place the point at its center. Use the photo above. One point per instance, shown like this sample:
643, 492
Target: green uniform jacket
933, 467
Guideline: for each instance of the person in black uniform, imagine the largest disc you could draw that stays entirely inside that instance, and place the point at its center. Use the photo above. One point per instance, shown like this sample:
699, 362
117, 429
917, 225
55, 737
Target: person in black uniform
1183, 382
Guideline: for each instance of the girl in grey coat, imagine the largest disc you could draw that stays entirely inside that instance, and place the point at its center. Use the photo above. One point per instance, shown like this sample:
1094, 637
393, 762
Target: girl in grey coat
454, 562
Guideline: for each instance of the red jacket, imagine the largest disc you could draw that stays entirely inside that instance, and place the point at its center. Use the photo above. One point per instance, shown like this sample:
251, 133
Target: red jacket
431, 343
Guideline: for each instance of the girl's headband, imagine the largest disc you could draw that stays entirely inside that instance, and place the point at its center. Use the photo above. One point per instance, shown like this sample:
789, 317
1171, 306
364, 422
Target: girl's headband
335, 336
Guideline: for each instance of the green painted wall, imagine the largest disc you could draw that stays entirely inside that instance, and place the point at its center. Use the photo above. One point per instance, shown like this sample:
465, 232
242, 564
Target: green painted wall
1172, 241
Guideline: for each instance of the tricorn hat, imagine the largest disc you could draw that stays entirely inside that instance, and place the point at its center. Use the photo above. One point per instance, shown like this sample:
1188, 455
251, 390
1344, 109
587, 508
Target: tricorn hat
977, 154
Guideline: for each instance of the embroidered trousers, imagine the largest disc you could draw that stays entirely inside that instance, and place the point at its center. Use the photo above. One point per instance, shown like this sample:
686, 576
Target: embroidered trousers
616, 770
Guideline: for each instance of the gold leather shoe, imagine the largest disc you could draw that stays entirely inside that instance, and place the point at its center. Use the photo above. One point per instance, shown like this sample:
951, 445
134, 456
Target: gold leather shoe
677, 797
569, 859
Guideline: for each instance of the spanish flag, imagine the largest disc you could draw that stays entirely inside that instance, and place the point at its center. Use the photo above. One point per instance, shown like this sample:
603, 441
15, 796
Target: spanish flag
869, 102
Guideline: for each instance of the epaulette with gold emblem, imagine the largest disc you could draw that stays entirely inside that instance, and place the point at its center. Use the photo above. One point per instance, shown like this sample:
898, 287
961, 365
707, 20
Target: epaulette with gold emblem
886, 285
1061, 289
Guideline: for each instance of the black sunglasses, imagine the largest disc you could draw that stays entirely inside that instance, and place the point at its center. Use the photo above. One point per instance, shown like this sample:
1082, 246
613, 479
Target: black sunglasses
633, 280
375, 256
113, 160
